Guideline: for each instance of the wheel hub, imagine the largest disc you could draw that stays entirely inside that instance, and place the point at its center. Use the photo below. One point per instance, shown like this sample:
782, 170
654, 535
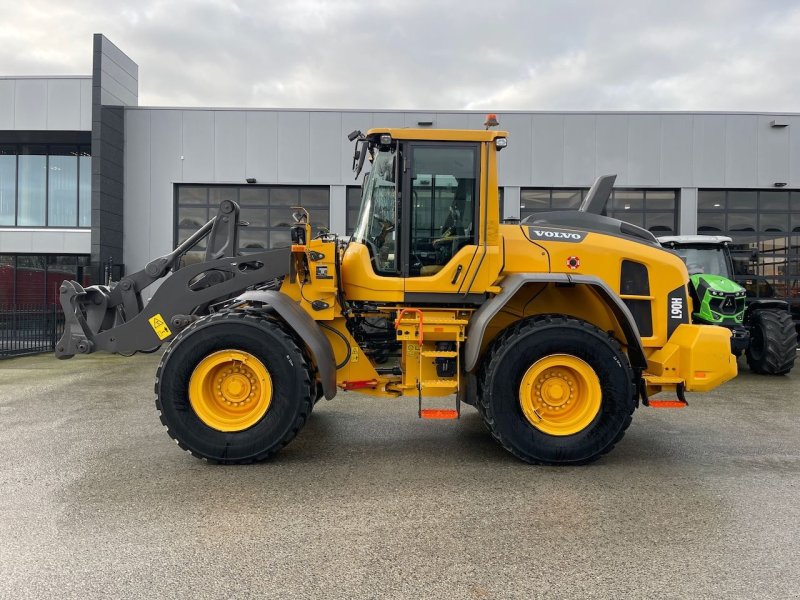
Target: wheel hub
560, 394
230, 390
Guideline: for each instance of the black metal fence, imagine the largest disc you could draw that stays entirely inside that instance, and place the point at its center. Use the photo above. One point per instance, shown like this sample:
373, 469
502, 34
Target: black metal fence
29, 329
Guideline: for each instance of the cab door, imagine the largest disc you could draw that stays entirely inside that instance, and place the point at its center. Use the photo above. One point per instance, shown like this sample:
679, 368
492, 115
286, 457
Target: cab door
440, 220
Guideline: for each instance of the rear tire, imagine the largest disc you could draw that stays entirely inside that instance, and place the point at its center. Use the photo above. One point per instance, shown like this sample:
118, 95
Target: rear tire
505, 376
773, 342
291, 387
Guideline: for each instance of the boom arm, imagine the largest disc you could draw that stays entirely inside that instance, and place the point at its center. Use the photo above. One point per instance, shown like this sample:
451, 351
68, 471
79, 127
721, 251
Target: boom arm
115, 319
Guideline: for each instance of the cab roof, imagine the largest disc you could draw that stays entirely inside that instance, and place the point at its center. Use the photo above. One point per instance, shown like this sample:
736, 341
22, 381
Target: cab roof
445, 135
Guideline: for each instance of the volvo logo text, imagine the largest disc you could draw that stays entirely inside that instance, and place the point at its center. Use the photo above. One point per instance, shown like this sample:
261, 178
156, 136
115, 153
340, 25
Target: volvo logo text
556, 234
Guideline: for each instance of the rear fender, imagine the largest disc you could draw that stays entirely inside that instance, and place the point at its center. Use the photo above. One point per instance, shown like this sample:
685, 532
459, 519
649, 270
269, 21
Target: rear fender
511, 284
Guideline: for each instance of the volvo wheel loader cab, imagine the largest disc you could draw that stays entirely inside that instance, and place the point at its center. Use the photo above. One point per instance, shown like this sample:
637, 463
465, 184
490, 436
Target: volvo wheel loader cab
761, 328
554, 328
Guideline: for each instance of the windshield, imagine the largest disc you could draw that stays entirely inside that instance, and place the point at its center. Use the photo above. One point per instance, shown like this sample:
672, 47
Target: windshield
377, 221
705, 259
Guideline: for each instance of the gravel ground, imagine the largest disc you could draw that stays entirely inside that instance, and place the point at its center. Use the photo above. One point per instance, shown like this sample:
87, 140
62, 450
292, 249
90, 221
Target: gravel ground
370, 502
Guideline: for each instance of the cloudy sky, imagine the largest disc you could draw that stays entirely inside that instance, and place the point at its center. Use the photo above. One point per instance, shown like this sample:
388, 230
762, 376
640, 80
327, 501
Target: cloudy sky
418, 54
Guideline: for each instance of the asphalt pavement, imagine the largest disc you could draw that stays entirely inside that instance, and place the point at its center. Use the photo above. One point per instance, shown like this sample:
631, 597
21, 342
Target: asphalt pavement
371, 502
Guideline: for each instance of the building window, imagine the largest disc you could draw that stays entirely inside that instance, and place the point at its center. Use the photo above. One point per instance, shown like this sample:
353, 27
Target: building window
45, 185
765, 228
29, 281
266, 210
654, 210
353, 202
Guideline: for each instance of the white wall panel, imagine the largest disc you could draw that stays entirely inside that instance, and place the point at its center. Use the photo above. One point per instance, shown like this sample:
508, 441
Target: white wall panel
197, 146
293, 146
579, 149
230, 144
137, 190
64, 104
741, 150
7, 103
644, 149
30, 104
326, 147
794, 151
612, 146
165, 169
709, 150
548, 149
261, 161
773, 151
450, 120
514, 168
350, 122
676, 150
86, 104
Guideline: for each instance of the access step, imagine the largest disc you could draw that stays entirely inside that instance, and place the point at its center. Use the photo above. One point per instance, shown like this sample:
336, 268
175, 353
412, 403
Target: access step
439, 353
428, 384
667, 404
438, 413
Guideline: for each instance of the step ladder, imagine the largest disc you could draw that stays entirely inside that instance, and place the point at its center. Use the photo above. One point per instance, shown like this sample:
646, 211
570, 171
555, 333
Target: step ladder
446, 383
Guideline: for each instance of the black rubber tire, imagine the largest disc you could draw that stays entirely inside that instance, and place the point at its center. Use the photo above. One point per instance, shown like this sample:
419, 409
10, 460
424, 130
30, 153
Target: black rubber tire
510, 356
773, 342
292, 388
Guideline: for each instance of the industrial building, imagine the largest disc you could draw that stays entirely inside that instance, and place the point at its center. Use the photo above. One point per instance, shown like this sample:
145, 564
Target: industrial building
93, 185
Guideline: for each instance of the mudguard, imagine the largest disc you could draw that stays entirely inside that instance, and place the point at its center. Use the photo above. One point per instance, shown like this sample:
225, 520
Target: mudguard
305, 327
480, 321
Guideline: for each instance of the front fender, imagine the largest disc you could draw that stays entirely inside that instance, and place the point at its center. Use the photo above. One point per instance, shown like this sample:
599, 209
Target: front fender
306, 328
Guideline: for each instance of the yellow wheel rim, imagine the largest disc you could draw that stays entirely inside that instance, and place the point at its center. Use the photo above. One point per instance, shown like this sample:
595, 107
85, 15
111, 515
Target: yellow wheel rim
230, 390
560, 394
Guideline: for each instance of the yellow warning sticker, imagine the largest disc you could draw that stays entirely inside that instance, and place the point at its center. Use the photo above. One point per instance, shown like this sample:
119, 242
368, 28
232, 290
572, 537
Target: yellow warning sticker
159, 326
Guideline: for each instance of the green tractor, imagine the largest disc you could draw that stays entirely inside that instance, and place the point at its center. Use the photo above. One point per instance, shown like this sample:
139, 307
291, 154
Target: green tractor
761, 328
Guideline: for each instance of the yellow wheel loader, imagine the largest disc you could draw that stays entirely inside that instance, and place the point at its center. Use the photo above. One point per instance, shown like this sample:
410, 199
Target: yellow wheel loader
555, 328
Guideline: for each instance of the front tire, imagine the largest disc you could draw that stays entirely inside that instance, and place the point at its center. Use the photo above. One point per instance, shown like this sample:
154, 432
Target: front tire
773, 342
557, 390
234, 388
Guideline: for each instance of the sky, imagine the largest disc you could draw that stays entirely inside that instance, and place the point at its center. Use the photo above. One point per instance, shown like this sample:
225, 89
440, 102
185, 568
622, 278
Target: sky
727, 55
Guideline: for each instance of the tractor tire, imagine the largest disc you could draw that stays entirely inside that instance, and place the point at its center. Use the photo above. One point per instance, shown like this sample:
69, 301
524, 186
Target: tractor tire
773, 342
542, 365
266, 384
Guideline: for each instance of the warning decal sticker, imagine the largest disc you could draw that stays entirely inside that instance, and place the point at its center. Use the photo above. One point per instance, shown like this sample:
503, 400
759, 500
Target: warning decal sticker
159, 326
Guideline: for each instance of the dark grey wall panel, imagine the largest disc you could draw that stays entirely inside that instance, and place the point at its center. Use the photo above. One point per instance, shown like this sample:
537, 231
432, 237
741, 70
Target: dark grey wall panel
114, 86
197, 143
230, 143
